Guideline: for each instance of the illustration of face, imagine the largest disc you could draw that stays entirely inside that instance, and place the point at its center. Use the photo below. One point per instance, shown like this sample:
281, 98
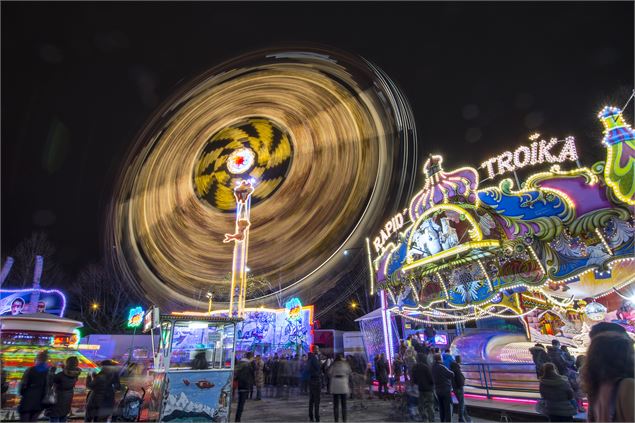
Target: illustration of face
41, 306
16, 306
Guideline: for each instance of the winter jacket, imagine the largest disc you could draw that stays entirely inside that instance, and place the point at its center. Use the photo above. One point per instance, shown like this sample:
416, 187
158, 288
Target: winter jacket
259, 375
540, 357
422, 377
557, 393
381, 371
459, 378
243, 375
33, 388
101, 400
447, 359
556, 356
315, 370
64, 384
443, 378
339, 374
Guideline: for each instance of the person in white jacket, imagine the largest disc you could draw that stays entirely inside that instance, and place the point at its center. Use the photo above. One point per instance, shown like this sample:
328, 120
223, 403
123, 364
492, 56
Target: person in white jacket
339, 375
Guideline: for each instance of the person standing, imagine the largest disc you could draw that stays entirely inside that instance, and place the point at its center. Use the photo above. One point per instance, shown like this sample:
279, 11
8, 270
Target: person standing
339, 373
381, 373
458, 386
557, 394
608, 378
443, 379
556, 356
275, 369
101, 400
64, 385
33, 388
369, 379
259, 376
422, 377
314, 369
243, 377
539, 356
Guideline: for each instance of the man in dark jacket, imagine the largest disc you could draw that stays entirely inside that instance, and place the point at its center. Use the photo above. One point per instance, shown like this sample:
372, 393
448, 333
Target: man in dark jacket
315, 385
443, 379
422, 377
33, 388
556, 356
458, 385
381, 372
244, 379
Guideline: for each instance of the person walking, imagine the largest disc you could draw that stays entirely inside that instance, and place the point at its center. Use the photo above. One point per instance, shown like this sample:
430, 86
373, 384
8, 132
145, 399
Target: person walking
314, 370
557, 394
381, 373
443, 379
33, 388
101, 400
64, 384
608, 378
458, 386
244, 379
339, 373
259, 376
422, 377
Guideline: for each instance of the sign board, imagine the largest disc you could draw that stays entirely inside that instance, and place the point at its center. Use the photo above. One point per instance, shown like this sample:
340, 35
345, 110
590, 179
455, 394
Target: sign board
14, 302
151, 319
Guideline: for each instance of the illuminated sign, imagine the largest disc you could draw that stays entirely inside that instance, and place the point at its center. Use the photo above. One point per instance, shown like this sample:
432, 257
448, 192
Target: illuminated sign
14, 302
135, 317
390, 228
538, 152
294, 308
89, 347
151, 319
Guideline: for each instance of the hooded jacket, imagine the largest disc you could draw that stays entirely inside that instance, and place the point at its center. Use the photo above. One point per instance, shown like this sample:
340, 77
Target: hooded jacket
33, 388
443, 378
540, 357
64, 383
339, 372
557, 393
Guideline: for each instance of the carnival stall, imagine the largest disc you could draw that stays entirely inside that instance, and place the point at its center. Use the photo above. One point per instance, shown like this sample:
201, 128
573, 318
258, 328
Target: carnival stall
554, 254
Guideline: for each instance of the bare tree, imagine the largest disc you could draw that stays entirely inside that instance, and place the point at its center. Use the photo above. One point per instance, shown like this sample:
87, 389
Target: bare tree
21, 274
101, 299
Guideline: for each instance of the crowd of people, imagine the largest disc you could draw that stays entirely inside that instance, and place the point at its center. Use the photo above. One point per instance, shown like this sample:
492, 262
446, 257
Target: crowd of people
604, 375
420, 371
44, 389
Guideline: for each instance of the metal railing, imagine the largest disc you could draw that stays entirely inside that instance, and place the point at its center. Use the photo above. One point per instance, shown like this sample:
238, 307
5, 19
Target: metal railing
511, 378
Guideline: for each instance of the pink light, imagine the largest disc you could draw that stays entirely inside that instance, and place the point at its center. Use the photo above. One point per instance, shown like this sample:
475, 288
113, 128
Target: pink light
475, 396
516, 400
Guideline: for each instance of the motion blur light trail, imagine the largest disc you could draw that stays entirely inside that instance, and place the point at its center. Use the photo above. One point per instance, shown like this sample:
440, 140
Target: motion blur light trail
320, 133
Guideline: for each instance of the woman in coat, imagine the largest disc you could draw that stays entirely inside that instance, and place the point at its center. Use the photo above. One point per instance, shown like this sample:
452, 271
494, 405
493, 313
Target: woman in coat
339, 375
101, 400
557, 394
64, 384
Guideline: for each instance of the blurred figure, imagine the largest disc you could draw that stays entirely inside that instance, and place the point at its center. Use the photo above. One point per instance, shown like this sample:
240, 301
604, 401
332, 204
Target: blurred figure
5, 384
557, 393
244, 379
409, 361
603, 327
607, 378
556, 356
397, 368
275, 368
539, 356
259, 376
33, 387
422, 377
443, 379
64, 384
101, 400
200, 361
381, 373
458, 385
315, 386
304, 375
284, 377
339, 373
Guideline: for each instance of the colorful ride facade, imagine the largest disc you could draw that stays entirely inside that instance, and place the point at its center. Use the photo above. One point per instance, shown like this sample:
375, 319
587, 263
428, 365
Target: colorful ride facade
556, 253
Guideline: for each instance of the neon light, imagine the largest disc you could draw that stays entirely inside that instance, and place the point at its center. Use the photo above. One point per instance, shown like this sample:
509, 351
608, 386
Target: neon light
452, 251
390, 228
45, 291
370, 268
539, 152
293, 308
385, 317
135, 317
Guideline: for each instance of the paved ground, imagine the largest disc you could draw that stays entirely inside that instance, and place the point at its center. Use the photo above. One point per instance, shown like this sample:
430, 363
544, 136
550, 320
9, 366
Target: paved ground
295, 409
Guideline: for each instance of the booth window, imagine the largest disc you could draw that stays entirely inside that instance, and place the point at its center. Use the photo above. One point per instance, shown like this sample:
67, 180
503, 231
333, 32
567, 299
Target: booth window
202, 345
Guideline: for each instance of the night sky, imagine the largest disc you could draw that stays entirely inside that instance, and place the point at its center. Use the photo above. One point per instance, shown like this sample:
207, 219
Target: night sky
79, 80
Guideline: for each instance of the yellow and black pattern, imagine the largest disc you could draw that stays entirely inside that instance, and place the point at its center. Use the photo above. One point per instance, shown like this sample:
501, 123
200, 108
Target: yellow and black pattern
214, 182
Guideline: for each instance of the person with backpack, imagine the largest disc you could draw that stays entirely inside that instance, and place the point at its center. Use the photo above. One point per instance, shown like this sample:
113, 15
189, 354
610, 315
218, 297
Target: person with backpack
33, 388
64, 385
243, 377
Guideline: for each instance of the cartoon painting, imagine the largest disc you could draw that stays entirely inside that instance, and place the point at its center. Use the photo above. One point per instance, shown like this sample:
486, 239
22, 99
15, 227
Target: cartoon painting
198, 396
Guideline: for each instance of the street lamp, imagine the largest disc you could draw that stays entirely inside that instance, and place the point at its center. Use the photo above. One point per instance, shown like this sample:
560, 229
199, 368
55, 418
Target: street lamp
94, 306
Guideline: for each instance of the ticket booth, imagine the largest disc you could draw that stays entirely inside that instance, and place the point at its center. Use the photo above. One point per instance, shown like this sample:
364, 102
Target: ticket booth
193, 367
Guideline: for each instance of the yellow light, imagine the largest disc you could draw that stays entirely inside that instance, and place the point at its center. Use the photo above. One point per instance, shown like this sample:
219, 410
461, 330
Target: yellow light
94, 306
353, 305
452, 251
